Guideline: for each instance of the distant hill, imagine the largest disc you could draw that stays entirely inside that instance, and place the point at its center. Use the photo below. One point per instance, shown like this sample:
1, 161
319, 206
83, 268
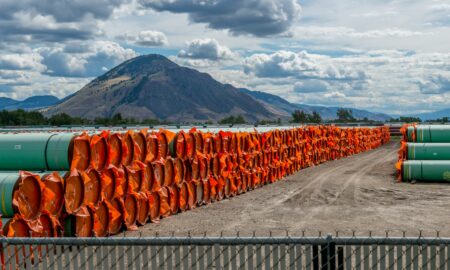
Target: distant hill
281, 106
31, 103
5, 102
152, 86
434, 115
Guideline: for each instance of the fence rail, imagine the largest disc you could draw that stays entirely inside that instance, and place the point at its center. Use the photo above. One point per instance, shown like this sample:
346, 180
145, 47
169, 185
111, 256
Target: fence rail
226, 253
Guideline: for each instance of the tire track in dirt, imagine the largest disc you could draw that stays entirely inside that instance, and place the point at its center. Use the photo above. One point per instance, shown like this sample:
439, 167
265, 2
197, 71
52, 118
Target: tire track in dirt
355, 193
349, 190
313, 188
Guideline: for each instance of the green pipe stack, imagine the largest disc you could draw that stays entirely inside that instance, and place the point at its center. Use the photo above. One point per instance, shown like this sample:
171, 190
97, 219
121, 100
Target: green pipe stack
425, 153
22, 192
35, 151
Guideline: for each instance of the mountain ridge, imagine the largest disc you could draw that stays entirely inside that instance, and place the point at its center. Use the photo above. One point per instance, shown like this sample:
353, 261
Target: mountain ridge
327, 113
30, 103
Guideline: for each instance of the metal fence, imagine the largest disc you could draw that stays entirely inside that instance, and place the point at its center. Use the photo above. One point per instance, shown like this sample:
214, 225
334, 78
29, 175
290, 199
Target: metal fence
226, 253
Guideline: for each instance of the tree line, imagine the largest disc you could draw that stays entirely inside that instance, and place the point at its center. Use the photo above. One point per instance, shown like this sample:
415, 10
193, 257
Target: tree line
34, 118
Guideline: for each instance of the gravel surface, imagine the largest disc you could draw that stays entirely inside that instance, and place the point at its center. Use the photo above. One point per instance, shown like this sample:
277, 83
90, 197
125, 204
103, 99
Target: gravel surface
359, 193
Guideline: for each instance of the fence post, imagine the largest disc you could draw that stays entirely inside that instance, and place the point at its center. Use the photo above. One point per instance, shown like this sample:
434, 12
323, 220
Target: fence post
328, 253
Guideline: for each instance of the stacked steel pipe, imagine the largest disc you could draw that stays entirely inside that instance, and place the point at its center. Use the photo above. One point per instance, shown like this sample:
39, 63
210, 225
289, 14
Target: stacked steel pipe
98, 184
424, 153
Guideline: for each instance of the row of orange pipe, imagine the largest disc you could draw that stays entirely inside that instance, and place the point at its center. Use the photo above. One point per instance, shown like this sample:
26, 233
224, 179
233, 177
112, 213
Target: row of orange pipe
144, 176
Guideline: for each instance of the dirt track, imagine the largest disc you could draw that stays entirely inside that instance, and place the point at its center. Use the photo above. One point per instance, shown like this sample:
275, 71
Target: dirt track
356, 193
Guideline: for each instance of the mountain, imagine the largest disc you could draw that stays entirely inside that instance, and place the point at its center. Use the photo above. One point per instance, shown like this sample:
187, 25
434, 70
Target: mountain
152, 86
5, 102
434, 115
31, 103
283, 107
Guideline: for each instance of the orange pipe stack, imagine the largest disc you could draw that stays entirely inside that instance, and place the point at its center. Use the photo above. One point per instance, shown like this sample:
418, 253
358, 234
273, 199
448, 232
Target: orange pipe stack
137, 177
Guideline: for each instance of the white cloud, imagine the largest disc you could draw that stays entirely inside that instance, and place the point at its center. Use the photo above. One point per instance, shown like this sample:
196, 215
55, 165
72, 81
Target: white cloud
322, 33
256, 17
29, 61
209, 49
440, 7
300, 65
310, 86
99, 57
148, 38
435, 84
334, 94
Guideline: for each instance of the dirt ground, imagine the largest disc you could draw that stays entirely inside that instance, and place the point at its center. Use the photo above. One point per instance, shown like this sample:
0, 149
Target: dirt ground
359, 193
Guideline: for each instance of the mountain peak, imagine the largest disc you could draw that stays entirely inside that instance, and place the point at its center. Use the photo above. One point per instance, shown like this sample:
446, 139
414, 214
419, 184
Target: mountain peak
152, 86
141, 65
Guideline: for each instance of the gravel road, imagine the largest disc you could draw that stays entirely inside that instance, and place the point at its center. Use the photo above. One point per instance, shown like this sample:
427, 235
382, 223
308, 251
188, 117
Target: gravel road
359, 193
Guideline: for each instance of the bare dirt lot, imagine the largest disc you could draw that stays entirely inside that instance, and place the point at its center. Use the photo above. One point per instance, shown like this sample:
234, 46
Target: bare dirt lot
358, 193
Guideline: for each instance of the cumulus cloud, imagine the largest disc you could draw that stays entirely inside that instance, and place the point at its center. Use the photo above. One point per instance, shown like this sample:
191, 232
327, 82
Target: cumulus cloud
53, 21
62, 11
310, 86
29, 27
435, 84
148, 38
207, 48
101, 56
440, 7
335, 33
256, 17
301, 65
335, 94
30, 61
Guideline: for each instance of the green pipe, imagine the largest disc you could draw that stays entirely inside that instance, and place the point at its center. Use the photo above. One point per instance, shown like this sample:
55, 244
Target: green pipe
426, 170
58, 153
7, 186
428, 151
429, 133
35, 151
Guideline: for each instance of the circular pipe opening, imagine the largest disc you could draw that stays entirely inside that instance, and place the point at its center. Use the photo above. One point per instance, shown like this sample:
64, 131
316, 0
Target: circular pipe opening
99, 152
115, 149
154, 204
143, 209
73, 191
116, 212
140, 141
108, 184
131, 210
28, 194
101, 218
53, 184
92, 187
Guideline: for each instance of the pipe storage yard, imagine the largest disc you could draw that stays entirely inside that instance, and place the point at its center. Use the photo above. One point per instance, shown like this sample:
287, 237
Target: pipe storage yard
95, 183
424, 153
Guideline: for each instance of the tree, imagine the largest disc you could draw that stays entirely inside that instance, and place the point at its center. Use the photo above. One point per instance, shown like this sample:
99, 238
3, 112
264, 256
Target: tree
21, 117
232, 120
345, 115
299, 116
60, 119
406, 119
315, 118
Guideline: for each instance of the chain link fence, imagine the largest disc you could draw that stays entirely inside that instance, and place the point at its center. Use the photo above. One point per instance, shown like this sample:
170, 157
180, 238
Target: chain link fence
286, 252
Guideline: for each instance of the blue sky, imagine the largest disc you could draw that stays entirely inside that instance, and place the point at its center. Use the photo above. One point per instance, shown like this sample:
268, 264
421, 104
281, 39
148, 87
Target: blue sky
390, 56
